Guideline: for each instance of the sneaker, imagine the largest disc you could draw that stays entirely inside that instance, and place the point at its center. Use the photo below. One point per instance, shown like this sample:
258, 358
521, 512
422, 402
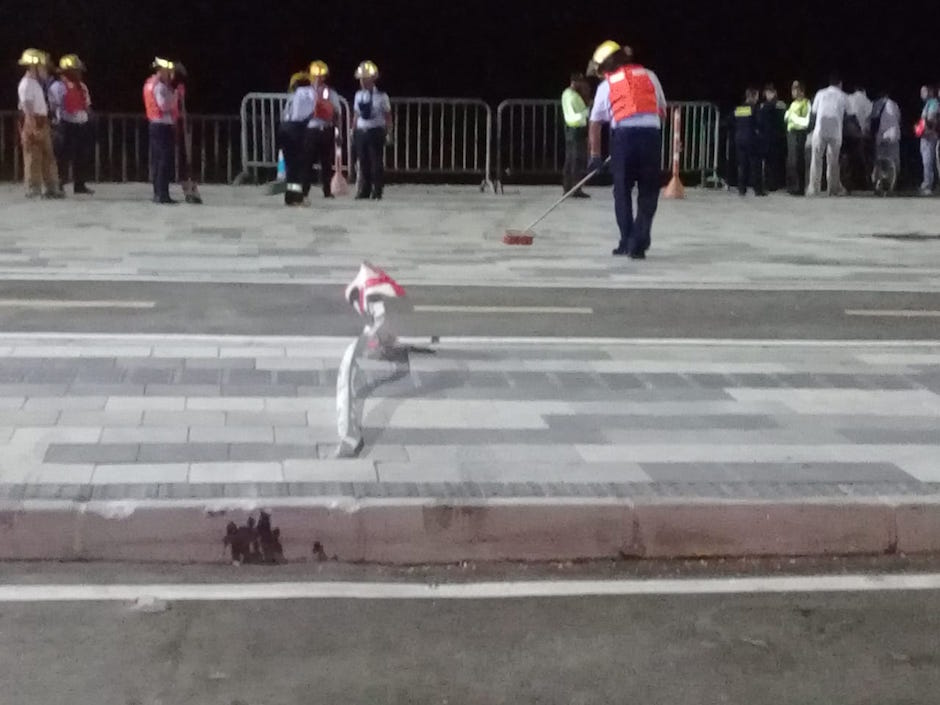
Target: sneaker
83, 191
165, 201
580, 194
926, 192
54, 195
637, 255
620, 252
33, 193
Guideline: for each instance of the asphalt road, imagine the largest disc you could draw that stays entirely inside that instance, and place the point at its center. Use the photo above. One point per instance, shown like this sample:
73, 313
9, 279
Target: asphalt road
849, 648
247, 309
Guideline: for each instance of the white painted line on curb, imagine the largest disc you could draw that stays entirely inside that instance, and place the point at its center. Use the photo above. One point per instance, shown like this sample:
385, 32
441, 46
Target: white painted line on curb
504, 309
468, 591
73, 304
897, 313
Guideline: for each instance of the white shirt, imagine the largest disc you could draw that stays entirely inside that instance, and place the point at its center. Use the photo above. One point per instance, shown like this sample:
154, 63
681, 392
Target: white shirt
30, 92
299, 106
889, 122
602, 112
830, 107
381, 106
164, 95
57, 101
860, 106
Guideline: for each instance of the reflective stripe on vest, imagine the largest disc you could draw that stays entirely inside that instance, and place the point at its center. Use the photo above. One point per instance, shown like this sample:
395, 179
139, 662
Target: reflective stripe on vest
154, 114
632, 93
323, 110
743, 111
76, 98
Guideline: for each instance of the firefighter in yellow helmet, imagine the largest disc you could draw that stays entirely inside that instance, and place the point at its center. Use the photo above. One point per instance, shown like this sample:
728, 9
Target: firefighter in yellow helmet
296, 115
629, 98
39, 164
320, 137
161, 108
373, 112
70, 105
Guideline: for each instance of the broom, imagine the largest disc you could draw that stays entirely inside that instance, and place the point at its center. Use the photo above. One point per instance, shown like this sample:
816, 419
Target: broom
338, 185
526, 237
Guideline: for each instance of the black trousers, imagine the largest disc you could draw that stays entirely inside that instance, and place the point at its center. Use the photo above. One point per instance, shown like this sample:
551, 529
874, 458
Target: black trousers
750, 168
576, 139
370, 149
73, 147
295, 159
162, 158
796, 162
319, 149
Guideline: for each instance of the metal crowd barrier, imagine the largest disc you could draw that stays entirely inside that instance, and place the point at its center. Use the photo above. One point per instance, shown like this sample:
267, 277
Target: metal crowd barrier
121, 151
432, 136
441, 137
530, 140
260, 117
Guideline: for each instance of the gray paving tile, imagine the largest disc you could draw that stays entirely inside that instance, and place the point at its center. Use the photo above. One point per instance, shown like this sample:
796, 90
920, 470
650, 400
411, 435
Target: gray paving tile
182, 452
103, 375
894, 436
199, 376
248, 377
298, 377
782, 474
622, 381
182, 390
49, 375
33, 390
711, 381
106, 390
229, 363
740, 422
263, 418
143, 375
259, 390
661, 380
558, 436
19, 419
270, 451
577, 380
91, 453
800, 380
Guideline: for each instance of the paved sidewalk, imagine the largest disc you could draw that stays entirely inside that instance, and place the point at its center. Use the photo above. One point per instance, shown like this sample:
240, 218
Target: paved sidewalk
158, 417
451, 235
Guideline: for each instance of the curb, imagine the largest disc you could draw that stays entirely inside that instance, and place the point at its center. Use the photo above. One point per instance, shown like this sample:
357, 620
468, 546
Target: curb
428, 531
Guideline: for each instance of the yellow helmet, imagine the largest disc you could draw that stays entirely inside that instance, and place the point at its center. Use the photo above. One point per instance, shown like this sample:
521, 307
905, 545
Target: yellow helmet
319, 69
601, 54
297, 79
367, 69
34, 57
71, 62
159, 63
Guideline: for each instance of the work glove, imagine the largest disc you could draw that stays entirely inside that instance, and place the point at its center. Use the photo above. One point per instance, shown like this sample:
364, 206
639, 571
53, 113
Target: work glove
597, 164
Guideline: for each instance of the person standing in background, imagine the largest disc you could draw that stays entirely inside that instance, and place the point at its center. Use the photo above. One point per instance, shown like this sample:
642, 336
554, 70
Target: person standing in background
39, 166
320, 140
161, 109
927, 129
772, 138
575, 112
830, 107
70, 102
373, 112
797, 120
296, 115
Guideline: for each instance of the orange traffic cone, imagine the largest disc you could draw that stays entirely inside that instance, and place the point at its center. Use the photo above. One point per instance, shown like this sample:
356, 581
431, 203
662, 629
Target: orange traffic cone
675, 189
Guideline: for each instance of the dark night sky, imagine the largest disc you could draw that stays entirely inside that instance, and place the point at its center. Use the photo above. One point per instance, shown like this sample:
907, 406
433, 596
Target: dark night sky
488, 49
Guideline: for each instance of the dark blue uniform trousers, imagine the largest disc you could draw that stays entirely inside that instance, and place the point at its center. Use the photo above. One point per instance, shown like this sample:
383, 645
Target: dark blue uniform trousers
163, 158
635, 154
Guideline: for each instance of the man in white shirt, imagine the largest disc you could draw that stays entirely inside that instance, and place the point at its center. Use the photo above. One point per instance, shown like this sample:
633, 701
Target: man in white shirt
829, 110
39, 164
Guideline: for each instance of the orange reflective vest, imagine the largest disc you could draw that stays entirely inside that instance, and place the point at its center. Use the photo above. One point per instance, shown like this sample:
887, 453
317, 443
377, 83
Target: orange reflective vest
323, 108
151, 107
632, 92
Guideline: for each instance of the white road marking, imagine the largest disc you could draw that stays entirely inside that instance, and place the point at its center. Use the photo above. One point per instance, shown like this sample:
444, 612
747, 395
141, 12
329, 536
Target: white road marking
468, 591
889, 313
580, 310
74, 304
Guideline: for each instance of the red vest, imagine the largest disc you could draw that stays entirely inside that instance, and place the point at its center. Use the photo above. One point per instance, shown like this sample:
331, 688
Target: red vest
76, 98
631, 92
323, 108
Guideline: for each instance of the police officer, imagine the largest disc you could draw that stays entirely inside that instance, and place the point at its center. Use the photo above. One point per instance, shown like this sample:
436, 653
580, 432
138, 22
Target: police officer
70, 102
320, 140
747, 145
39, 165
631, 99
294, 121
772, 137
373, 112
160, 107
576, 113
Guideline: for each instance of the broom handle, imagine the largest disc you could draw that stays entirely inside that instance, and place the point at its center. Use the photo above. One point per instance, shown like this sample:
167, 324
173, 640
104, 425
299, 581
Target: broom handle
564, 198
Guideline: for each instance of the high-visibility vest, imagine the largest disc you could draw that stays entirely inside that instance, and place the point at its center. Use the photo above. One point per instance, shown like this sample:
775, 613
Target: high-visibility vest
75, 99
152, 109
323, 108
632, 92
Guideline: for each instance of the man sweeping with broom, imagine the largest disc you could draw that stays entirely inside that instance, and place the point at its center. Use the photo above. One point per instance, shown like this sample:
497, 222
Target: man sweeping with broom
631, 99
